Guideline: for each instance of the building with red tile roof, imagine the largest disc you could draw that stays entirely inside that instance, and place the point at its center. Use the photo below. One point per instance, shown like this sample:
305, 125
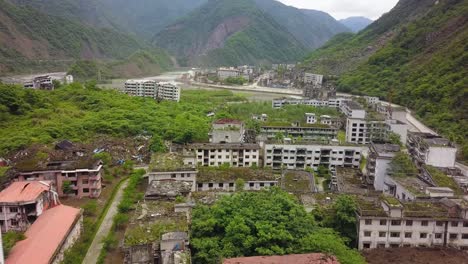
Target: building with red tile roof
52, 233
22, 202
313, 258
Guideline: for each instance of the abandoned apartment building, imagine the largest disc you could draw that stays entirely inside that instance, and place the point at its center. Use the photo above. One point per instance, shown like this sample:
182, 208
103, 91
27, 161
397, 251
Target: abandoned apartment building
152, 89
217, 154
431, 150
212, 179
21, 203
387, 222
300, 157
80, 177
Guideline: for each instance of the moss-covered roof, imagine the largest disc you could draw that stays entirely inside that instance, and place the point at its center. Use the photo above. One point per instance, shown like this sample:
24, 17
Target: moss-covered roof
167, 162
218, 175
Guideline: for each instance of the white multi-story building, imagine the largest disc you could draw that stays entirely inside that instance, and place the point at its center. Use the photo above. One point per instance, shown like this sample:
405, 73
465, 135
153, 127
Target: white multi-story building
352, 110
306, 132
365, 131
311, 118
148, 88
372, 100
168, 91
431, 150
315, 79
224, 73
301, 157
234, 154
378, 162
142, 88
225, 180
425, 223
332, 102
398, 128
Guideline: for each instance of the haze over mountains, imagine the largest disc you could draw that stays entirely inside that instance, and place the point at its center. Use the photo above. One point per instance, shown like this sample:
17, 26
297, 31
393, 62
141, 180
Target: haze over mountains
63, 31
356, 24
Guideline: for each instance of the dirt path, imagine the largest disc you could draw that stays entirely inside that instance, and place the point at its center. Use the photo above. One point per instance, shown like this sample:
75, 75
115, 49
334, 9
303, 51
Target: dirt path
95, 248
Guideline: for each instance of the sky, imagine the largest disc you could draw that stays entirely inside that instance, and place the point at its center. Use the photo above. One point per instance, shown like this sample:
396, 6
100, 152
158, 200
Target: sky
340, 9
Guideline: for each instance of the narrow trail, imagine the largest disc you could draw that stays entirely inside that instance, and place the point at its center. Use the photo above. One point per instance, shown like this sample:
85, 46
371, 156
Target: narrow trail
96, 246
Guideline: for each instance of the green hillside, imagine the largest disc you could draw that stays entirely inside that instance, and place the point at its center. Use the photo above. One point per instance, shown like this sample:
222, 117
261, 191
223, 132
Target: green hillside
345, 51
141, 17
31, 40
424, 61
229, 32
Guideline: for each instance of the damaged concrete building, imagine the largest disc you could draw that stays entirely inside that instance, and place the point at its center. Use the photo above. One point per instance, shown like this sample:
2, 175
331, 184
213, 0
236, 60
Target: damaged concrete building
23, 202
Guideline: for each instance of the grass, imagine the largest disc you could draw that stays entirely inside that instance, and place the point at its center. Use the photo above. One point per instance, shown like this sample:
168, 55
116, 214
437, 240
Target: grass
442, 180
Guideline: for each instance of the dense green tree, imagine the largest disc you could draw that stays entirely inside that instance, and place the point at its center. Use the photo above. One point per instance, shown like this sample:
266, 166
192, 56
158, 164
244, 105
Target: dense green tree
270, 222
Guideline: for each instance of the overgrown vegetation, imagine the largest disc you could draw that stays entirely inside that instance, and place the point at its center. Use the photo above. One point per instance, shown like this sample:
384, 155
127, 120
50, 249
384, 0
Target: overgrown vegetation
235, 80
442, 180
9, 239
402, 166
120, 220
418, 53
78, 113
269, 222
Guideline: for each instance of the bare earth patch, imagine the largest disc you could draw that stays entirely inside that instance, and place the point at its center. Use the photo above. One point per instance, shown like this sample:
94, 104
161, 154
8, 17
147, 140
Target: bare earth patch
416, 256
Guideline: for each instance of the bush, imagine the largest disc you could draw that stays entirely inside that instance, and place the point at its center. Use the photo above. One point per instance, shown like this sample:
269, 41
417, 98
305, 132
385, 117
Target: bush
90, 208
9, 240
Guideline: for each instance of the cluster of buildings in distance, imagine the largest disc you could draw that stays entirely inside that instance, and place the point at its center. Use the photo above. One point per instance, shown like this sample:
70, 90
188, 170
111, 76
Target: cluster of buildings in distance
40, 82
153, 89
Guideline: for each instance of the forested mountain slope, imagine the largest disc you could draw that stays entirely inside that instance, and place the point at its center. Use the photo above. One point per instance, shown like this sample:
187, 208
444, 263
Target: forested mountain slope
229, 32
32, 40
356, 24
345, 51
423, 60
312, 28
141, 17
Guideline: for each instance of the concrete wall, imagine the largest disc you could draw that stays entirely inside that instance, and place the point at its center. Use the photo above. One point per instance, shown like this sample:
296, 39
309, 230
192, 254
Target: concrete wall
381, 167
187, 176
410, 235
231, 186
441, 157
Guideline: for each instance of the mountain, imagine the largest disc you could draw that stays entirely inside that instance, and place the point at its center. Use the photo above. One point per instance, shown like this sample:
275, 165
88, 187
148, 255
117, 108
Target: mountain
225, 32
418, 53
36, 41
141, 17
148, 17
356, 24
312, 28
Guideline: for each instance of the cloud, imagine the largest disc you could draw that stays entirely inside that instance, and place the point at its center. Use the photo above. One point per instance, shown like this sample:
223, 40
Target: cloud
345, 8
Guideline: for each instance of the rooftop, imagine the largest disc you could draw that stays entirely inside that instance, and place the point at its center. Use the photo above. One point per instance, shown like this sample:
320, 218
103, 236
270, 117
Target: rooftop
313, 258
45, 236
432, 140
23, 192
353, 105
386, 148
168, 189
168, 162
216, 175
175, 236
211, 146
225, 121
